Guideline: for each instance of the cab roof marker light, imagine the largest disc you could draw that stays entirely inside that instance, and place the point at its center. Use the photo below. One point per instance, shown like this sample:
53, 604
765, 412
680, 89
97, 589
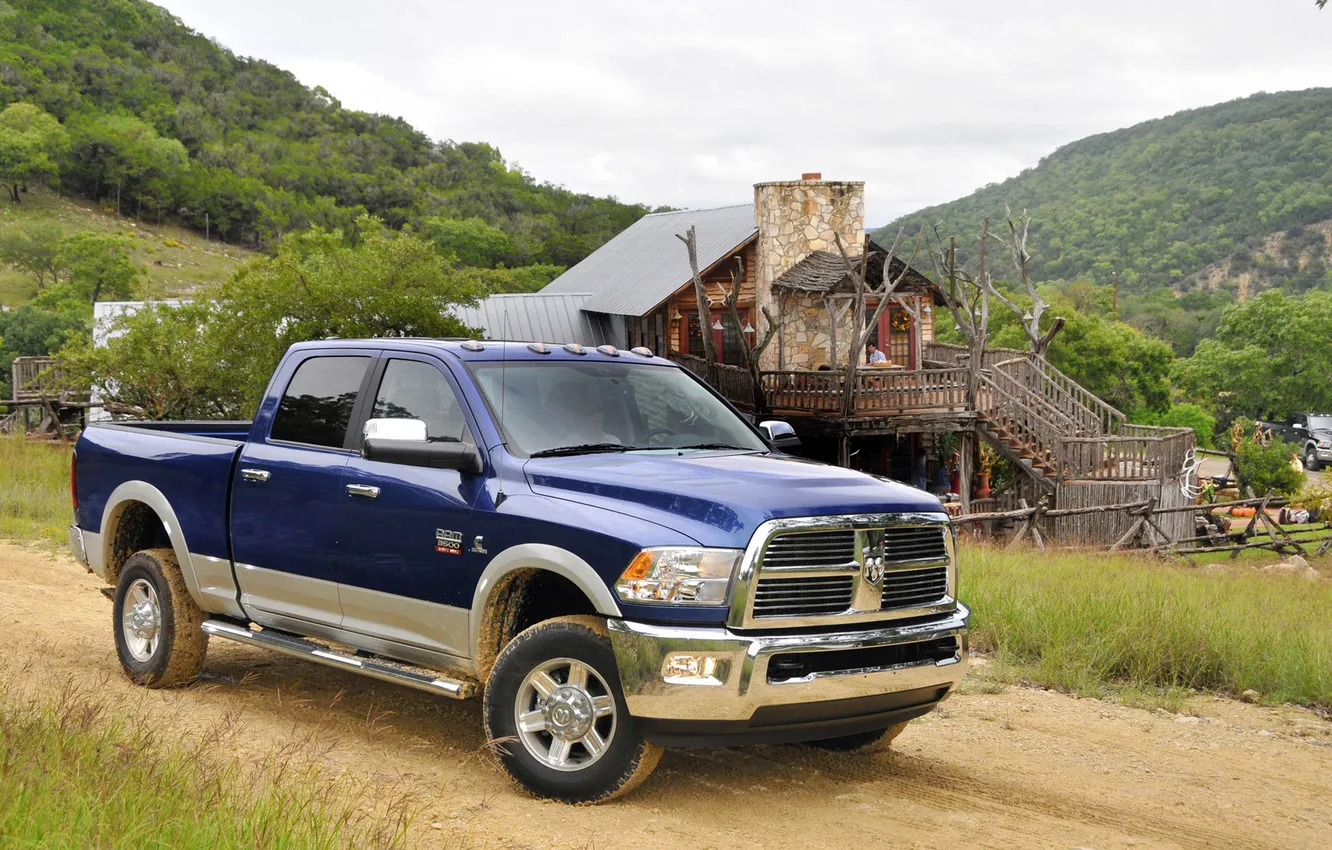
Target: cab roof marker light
609, 350
538, 348
641, 351
575, 348
472, 345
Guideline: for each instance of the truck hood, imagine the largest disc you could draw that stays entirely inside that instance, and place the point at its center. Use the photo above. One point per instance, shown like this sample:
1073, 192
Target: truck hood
719, 498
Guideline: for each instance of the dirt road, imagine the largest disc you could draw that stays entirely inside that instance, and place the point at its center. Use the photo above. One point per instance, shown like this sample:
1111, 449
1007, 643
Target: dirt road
1020, 768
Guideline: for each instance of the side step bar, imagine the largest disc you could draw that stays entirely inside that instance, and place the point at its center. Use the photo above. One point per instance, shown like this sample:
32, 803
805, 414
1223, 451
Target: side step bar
382, 669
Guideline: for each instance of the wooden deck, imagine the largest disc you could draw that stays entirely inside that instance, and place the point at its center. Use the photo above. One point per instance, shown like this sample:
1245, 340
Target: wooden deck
1031, 412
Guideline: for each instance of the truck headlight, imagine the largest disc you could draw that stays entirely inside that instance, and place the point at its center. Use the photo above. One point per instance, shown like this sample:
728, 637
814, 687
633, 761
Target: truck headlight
679, 575
1325, 444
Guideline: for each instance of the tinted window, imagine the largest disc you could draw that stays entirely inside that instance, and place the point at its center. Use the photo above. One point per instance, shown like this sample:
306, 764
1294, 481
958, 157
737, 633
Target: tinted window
415, 390
317, 405
550, 405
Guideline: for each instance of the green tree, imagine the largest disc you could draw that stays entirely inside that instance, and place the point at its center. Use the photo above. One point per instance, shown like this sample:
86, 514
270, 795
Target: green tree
471, 240
1271, 355
98, 268
31, 145
126, 153
33, 249
166, 362
214, 357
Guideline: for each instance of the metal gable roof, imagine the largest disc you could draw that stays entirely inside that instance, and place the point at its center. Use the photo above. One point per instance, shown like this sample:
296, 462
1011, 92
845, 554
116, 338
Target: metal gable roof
554, 317
644, 264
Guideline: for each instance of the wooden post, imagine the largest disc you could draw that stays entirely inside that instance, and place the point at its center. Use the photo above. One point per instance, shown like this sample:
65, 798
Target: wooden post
966, 444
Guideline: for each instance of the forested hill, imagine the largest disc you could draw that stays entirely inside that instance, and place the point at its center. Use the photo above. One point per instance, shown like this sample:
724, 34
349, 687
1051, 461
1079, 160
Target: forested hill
1226, 194
169, 124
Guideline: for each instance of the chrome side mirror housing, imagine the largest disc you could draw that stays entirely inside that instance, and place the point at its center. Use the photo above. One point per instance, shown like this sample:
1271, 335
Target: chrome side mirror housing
780, 434
395, 429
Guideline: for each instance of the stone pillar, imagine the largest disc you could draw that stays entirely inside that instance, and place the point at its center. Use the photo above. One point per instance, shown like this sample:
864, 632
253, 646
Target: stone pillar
795, 218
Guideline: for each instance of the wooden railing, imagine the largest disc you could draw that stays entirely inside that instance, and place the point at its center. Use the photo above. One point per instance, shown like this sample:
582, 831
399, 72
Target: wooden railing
803, 392
1124, 458
889, 390
35, 378
1091, 415
1008, 406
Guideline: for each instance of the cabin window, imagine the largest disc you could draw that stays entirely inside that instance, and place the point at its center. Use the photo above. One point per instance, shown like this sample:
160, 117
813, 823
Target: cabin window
726, 339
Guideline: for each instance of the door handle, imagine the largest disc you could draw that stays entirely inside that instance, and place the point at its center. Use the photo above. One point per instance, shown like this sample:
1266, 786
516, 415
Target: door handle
258, 476
364, 490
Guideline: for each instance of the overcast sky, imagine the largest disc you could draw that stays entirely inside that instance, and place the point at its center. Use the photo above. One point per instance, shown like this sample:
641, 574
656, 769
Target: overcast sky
688, 104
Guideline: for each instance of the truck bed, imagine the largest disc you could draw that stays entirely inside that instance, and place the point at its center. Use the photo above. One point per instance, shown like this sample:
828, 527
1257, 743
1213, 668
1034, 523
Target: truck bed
189, 464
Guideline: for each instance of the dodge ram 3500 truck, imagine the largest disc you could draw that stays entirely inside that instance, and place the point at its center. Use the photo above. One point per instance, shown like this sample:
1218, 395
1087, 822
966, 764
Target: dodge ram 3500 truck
595, 539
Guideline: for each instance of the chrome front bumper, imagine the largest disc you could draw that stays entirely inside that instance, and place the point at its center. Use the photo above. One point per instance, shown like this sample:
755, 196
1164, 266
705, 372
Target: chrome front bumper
736, 684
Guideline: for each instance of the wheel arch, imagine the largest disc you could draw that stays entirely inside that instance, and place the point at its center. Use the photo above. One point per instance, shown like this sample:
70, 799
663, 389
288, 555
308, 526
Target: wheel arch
126, 525
498, 603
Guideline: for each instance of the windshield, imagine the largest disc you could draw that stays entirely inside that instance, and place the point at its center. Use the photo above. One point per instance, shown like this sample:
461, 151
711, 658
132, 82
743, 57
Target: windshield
584, 407
1320, 423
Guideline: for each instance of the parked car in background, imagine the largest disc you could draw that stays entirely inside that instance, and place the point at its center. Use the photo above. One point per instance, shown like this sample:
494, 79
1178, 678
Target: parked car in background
1310, 433
594, 539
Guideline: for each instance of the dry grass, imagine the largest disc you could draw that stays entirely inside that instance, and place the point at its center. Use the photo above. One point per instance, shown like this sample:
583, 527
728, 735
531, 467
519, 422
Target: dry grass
34, 490
1094, 623
75, 772
175, 261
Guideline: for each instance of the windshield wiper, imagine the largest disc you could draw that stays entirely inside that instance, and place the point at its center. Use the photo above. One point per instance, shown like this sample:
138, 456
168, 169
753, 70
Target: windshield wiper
716, 446
582, 449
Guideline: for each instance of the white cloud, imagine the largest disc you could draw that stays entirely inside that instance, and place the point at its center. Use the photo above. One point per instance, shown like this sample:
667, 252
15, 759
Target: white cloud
689, 103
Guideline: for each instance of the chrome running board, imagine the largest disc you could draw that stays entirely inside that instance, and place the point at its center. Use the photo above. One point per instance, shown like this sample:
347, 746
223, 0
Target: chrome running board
377, 668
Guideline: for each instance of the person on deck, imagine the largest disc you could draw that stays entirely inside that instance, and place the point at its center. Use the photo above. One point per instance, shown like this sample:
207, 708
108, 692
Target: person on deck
875, 356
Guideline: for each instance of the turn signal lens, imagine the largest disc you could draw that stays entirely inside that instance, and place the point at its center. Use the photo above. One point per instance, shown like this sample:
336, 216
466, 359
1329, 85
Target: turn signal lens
681, 575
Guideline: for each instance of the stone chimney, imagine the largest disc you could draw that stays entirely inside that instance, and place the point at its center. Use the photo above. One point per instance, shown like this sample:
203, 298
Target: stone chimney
796, 218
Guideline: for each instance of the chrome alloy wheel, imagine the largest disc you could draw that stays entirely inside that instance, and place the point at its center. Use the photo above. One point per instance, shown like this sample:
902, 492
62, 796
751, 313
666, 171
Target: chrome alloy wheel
565, 714
141, 620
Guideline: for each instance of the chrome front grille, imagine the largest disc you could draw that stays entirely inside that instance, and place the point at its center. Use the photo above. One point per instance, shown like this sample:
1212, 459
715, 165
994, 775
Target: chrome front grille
803, 597
912, 588
846, 569
914, 543
811, 550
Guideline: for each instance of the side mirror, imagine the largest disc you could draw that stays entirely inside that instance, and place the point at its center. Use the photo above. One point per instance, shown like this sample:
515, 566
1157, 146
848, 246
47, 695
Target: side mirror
780, 434
404, 441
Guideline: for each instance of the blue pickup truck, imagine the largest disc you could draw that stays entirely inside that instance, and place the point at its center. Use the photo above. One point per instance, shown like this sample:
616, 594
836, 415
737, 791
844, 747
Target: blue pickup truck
592, 538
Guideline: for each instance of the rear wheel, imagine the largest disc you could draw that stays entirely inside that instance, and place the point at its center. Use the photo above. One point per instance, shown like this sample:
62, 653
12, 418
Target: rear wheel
875, 739
158, 628
554, 709
1311, 461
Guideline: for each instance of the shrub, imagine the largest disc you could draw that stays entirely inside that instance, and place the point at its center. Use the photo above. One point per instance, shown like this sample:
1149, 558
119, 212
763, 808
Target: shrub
1264, 464
1186, 415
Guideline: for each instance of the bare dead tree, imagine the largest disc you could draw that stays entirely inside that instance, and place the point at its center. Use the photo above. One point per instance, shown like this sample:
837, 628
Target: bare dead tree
862, 329
690, 239
751, 353
967, 297
1031, 319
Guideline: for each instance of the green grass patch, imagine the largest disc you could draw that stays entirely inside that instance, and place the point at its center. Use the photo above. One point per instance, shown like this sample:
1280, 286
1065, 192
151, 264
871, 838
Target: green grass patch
1096, 623
175, 261
34, 490
73, 774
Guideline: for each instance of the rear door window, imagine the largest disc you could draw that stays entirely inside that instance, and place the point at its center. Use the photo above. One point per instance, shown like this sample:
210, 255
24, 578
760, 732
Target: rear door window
317, 406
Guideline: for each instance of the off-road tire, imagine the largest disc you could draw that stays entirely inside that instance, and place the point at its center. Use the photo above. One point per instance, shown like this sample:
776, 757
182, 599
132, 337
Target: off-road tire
1311, 461
627, 760
875, 739
182, 644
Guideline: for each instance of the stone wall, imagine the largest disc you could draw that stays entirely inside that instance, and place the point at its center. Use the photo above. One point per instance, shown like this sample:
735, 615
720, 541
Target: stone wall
795, 218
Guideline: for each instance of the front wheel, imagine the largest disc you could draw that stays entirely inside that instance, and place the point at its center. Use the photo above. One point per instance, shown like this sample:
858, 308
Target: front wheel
874, 739
554, 708
1311, 462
